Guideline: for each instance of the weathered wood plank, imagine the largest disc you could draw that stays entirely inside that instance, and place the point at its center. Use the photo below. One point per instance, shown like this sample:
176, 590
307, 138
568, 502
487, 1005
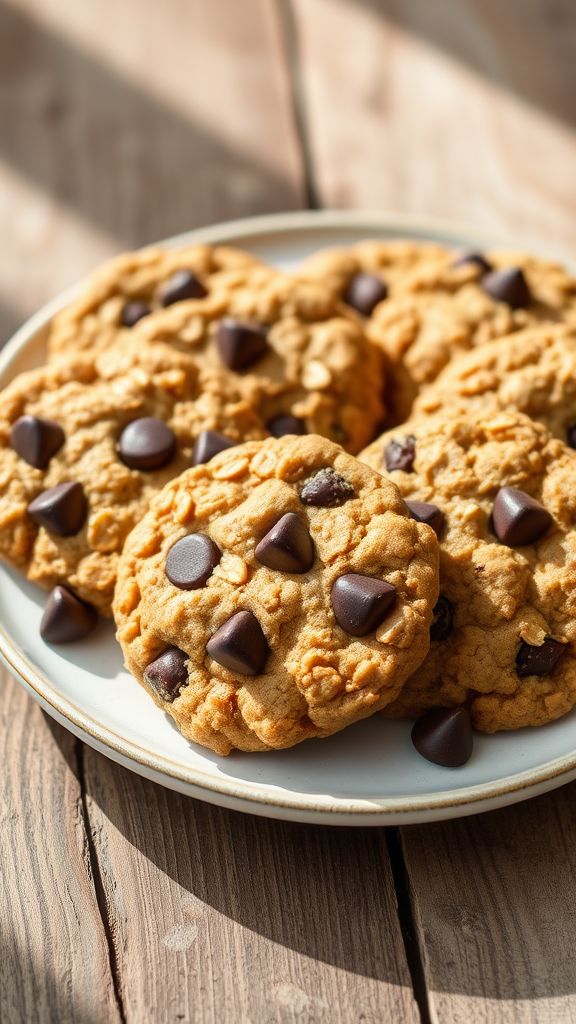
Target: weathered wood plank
54, 963
459, 110
495, 908
119, 127
219, 916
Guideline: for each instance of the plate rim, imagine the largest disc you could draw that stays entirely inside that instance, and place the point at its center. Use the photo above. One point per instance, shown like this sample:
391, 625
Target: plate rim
242, 795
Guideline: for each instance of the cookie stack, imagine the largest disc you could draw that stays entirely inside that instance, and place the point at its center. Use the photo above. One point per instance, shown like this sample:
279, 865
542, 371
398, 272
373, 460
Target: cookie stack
186, 461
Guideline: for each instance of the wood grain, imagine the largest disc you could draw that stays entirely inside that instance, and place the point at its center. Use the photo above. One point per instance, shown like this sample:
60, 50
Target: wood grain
219, 916
54, 963
458, 110
495, 906
120, 126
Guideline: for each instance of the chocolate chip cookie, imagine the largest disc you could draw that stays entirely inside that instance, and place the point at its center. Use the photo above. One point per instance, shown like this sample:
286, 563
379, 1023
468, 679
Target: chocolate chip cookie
85, 442
130, 287
299, 360
533, 371
278, 593
435, 304
500, 491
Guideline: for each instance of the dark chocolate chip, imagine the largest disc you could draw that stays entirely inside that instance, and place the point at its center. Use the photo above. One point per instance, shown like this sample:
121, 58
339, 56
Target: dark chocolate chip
508, 286
240, 344
208, 444
191, 561
425, 512
571, 435
61, 509
183, 284
442, 619
288, 546
326, 488
36, 440
539, 660
133, 312
400, 453
66, 618
444, 736
477, 259
364, 292
361, 603
240, 645
147, 444
286, 424
517, 518
168, 673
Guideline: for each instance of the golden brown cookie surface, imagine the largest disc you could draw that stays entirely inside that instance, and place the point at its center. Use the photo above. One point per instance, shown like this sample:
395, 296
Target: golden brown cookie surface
84, 444
435, 304
278, 593
290, 348
533, 371
504, 637
126, 289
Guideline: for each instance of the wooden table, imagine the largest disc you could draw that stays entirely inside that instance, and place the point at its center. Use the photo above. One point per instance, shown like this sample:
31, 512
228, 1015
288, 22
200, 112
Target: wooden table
122, 122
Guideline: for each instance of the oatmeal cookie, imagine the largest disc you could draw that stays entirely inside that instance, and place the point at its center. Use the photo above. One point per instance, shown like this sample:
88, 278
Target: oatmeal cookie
84, 443
305, 366
129, 287
500, 491
533, 371
433, 304
276, 594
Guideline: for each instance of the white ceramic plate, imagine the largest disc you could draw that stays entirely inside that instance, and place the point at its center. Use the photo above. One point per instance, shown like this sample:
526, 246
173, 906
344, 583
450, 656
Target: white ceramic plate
368, 775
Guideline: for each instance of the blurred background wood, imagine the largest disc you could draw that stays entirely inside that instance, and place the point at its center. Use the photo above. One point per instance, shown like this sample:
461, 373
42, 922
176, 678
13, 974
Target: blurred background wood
123, 123
450, 108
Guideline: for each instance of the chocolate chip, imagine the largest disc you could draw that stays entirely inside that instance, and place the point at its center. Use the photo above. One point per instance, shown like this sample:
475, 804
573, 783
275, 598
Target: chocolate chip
508, 286
326, 488
361, 603
477, 259
364, 292
517, 518
36, 440
66, 618
400, 453
288, 546
147, 444
286, 424
539, 660
183, 284
444, 736
571, 435
133, 312
191, 561
60, 509
442, 618
208, 444
240, 344
240, 645
168, 673
425, 512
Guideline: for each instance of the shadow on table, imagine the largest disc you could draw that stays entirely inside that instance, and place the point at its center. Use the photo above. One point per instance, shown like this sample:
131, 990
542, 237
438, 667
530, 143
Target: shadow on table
115, 151
49, 1001
495, 892
534, 60
324, 892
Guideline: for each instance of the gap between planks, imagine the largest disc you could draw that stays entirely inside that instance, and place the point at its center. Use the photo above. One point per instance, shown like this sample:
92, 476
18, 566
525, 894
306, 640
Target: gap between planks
98, 883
